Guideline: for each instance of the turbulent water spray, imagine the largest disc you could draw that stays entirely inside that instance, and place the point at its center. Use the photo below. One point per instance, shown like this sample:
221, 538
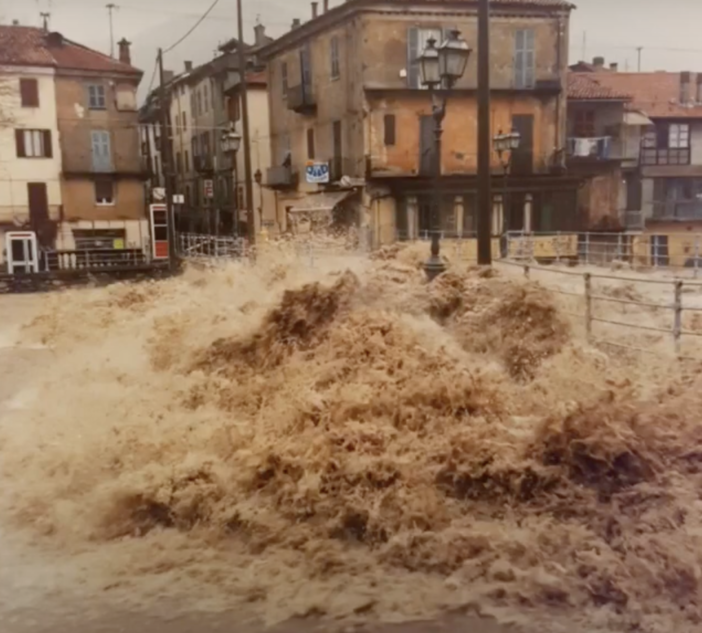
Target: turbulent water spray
346, 440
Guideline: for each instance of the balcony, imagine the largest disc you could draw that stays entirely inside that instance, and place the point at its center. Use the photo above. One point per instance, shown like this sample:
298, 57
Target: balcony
281, 177
301, 99
677, 210
596, 148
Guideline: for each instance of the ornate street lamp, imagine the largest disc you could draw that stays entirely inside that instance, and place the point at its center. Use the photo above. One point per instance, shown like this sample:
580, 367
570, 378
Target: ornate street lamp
440, 69
506, 144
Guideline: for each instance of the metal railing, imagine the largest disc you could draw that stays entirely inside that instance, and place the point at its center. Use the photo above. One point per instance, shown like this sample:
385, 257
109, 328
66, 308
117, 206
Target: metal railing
591, 296
205, 246
102, 259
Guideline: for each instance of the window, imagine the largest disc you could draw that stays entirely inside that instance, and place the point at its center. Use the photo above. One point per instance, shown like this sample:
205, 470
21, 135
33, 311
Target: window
33, 143
179, 163
205, 99
101, 150
184, 121
187, 161
310, 144
389, 127
678, 136
416, 42
584, 124
666, 144
104, 192
233, 108
212, 95
524, 58
199, 103
334, 53
29, 93
284, 79
89, 239
96, 97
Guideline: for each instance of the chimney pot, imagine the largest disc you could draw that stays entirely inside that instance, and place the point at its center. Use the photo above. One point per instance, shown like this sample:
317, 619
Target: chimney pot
614, 66
699, 88
188, 66
168, 76
15, 23
325, 6
598, 62
314, 9
685, 87
125, 55
295, 23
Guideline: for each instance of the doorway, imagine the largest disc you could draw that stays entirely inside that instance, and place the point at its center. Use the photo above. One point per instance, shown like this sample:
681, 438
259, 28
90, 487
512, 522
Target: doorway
22, 252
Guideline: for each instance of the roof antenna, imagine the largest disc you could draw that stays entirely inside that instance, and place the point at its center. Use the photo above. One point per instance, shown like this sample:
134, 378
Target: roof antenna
45, 17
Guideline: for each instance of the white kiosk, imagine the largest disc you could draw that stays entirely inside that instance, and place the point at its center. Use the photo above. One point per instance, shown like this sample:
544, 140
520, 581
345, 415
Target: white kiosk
22, 252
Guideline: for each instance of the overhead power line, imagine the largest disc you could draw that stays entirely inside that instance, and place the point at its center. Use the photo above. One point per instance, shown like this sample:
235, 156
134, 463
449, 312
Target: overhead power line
198, 23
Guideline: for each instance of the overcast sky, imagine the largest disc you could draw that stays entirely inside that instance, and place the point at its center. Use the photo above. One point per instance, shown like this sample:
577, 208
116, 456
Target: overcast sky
668, 30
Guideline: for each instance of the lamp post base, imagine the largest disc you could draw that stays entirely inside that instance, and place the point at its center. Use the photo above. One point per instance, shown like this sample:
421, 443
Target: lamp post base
433, 267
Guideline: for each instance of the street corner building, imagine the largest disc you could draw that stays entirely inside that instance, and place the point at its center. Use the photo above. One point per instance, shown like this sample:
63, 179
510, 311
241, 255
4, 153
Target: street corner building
345, 91
70, 165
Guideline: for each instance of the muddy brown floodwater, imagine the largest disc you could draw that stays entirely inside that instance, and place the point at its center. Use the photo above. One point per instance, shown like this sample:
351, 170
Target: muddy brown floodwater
339, 447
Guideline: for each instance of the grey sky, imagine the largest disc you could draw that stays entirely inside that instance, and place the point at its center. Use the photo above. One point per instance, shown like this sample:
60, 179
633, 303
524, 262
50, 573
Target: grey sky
614, 27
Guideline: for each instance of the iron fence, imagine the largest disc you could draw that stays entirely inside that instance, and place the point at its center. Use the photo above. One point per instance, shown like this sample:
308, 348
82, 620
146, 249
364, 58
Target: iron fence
205, 246
673, 292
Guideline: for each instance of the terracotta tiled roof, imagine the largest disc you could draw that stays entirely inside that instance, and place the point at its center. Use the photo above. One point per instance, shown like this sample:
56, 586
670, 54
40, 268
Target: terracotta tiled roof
588, 87
657, 94
31, 46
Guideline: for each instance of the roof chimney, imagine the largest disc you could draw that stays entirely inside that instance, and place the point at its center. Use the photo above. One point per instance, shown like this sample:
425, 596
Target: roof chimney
699, 87
54, 39
295, 23
125, 55
685, 87
325, 6
260, 34
614, 67
598, 62
15, 22
188, 67
168, 76
314, 9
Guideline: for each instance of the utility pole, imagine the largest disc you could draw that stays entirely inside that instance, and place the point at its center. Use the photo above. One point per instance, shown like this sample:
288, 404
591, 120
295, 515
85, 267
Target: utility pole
584, 54
246, 138
638, 50
110, 8
167, 164
45, 17
484, 142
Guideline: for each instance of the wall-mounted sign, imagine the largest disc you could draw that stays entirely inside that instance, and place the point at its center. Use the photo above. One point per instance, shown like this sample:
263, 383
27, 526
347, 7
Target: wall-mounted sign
317, 172
178, 198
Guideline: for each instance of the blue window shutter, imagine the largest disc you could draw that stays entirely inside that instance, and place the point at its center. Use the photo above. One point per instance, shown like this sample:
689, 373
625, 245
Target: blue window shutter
412, 55
101, 150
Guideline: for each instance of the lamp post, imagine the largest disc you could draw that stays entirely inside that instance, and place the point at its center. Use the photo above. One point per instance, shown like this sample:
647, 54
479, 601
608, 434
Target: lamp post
230, 143
506, 144
440, 69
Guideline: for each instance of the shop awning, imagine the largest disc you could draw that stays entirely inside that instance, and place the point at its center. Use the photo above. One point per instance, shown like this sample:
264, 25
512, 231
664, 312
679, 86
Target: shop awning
636, 118
320, 201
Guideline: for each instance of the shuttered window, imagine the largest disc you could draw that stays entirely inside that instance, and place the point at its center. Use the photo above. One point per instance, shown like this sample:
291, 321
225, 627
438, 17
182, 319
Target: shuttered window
101, 150
334, 53
33, 143
29, 93
524, 58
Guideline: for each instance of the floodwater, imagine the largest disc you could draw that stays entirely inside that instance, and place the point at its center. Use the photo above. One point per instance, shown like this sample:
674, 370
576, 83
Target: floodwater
339, 446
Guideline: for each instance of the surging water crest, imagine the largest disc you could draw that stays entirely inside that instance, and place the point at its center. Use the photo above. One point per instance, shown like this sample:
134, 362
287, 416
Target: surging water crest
344, 440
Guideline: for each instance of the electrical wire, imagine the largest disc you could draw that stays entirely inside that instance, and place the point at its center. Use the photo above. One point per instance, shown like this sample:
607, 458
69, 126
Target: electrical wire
198, 23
